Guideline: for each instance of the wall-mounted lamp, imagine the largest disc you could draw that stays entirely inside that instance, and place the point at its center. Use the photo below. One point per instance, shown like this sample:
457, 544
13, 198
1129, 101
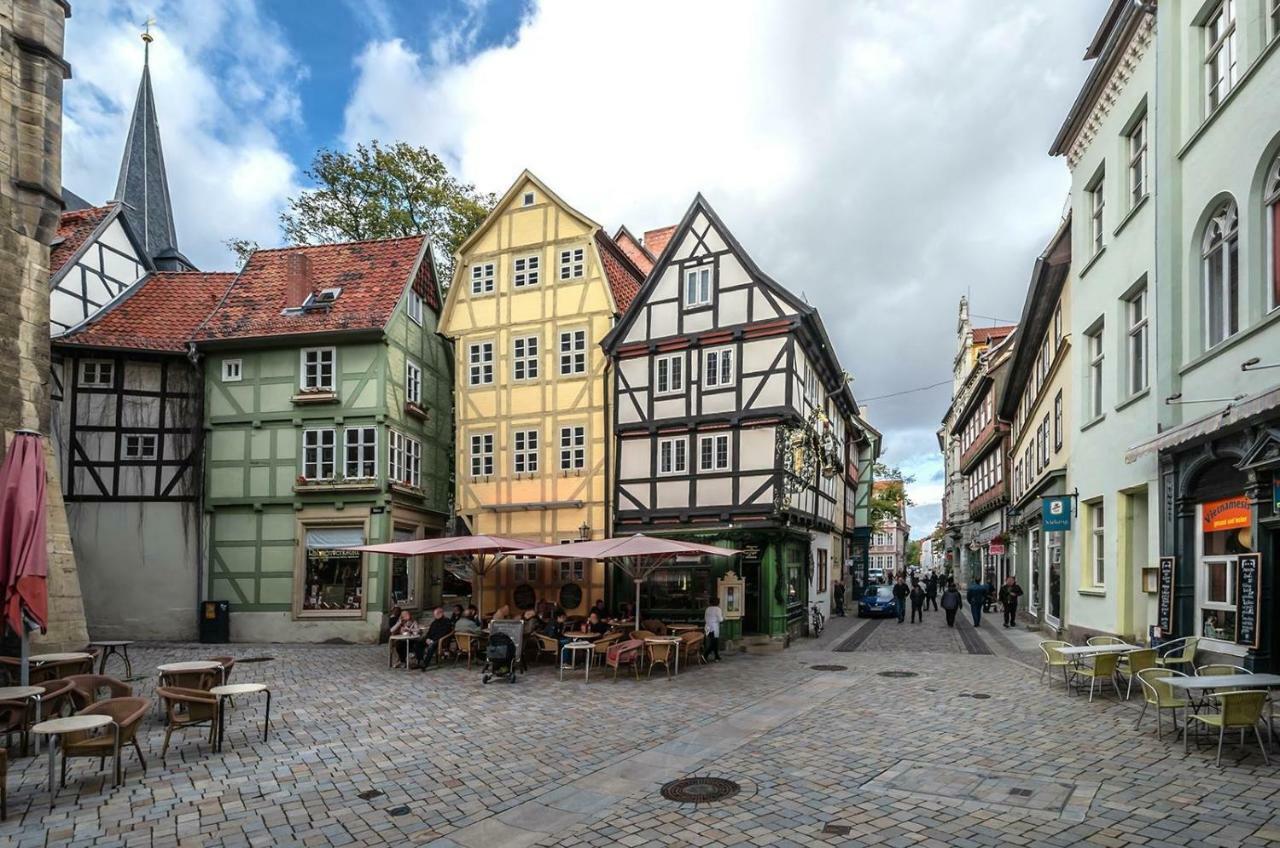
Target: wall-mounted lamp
584, 532
1255, 365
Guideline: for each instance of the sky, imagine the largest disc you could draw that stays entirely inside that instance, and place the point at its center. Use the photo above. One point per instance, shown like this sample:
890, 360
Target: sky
881, 158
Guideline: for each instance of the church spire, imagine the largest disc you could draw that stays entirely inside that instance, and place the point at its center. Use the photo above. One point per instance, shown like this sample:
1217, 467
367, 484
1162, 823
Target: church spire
143, 187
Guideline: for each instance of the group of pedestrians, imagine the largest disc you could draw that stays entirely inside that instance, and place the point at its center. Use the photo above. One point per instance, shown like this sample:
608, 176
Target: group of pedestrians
923, 595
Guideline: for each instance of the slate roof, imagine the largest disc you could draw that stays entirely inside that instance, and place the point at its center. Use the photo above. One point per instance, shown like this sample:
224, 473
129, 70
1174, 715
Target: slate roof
143, 186
74, 228
158, 313
371, 274
623, 275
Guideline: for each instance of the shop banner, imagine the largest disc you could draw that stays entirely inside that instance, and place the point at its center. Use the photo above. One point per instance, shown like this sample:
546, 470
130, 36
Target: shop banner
1248, 598
1227, 514
996, 548
1275, 495
1055, 513
1164, 597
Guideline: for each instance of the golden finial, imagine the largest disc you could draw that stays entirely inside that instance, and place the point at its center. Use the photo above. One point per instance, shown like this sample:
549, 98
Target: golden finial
146, 31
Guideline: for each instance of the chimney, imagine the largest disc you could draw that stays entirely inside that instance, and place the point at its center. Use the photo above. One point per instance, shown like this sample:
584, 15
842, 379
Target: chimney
297, 279
656, 240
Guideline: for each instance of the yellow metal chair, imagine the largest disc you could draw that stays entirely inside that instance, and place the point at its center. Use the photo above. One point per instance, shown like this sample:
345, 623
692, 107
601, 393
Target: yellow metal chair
1104, 640
1241, 710
1054, 659
1184, 655
1103, 668
1156, 692
1134, 662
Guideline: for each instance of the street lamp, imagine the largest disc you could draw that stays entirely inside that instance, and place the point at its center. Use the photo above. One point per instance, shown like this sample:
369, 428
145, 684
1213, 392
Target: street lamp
584, 532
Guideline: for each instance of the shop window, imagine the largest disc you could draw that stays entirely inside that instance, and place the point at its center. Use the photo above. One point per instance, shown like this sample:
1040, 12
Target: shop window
678, 589
404, 577
333, 579
1223, 533
793, 563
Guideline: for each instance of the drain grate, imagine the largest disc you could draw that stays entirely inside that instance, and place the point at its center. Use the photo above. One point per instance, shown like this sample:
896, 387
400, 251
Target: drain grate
1018, 790
829, 668
897, 674
397, 811
369, 794
699, 790
247, 660
838, 829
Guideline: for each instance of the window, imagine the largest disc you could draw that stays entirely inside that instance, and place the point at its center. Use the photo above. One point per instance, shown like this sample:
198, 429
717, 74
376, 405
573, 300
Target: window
232, 370
525, 272
573, 448
527, 200
717, 368
482, 278
361, 452
1044, 438
1273, 19
1057, 326
139, 446
332, 578
524, 569
1138, 162
673, 456
480, 364
318, 454
1221, 276
573, 352
412, 382
97, 372
481, 454
713, 453
697, 286
1273, 226
1095, 374
413, 307
670, 374
1218, 526
317, 368
525, 454
572, 263
572, 570
1057, 421
404, 575
1098, 544
524, 360
1219, 54
1096, 203
1136, 306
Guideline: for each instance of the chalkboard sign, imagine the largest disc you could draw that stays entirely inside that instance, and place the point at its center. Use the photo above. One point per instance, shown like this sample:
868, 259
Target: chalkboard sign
1164, 596
1249, 592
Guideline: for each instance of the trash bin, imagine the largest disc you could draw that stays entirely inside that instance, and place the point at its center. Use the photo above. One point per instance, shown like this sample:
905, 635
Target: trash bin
215, 622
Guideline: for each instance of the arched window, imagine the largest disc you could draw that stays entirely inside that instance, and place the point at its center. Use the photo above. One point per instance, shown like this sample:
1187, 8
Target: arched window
1221, 252
1272, 202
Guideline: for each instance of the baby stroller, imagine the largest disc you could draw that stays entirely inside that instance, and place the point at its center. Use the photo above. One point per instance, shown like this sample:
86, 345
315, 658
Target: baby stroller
500, 658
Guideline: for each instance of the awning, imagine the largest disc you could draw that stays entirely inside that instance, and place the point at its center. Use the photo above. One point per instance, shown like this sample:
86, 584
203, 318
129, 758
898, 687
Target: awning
1237, 413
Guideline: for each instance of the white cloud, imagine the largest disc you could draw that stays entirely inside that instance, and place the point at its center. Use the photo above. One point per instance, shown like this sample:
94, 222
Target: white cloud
225, 84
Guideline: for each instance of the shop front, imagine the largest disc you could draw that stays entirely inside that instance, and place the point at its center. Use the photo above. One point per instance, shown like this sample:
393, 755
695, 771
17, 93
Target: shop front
1036, 528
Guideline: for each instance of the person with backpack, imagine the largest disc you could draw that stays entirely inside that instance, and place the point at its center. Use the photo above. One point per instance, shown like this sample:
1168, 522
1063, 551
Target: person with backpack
951, 603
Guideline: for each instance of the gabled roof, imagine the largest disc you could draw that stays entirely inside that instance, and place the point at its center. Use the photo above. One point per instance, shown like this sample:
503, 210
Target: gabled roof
525, 175
372, 275
77, 228
624, 277
157, 314
635, 249
983, 335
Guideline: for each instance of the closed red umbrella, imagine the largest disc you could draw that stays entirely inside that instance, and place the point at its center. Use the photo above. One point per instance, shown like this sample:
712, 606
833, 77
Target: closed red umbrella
24, 557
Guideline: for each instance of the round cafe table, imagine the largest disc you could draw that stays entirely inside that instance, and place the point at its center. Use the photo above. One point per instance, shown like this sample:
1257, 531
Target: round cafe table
23, 693
230, 689
62, 657
118, 647
76, 724
573, 648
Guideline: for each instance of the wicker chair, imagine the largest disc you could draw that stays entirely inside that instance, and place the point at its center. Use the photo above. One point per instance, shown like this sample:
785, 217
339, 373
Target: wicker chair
654, 626
88, 689
187, 708
470, 644
127, 713
547, 645
48, 672
660, 652
227, 664
691, 644
202, 680
601, 646
630, 652
16, 717
642, 634
56, 700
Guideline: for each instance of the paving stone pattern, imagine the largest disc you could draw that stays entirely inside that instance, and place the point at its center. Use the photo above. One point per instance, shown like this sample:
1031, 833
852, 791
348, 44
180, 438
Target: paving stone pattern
898, 762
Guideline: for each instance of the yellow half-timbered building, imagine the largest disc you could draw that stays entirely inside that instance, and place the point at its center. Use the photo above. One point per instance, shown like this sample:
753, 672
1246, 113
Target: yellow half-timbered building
535, 289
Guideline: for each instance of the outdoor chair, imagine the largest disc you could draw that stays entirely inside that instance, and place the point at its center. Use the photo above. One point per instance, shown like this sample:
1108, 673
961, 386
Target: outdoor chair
691, 645
16, 717
1133, 663
654, 626
602, 645
1104, 640
4, 784
1241, 710
187, 708
202, 680
100, 742
660, 652
47, 672
56, 700
1223, 669
227, 664
629, 653
469, 645
88, 689
1054, 659
1184, 655
547, 645
1103, 668
1156, 692
642, 634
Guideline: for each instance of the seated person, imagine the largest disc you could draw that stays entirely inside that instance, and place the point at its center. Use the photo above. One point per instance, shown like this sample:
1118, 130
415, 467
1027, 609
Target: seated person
626, 612
405, 625
457, 614
531, 623
545, 609
472, 612
595, 624
466, 624
437, 630
503, 613
556, 629
599, 611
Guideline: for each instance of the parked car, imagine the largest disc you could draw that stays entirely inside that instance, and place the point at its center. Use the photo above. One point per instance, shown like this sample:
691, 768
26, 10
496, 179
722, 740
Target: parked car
877, 600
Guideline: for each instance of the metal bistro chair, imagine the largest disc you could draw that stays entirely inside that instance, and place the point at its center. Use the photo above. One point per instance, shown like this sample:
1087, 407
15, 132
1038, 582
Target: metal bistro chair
1156, 692
1241, 710
1132, 664
1103, 668
1053, 658
1184, 655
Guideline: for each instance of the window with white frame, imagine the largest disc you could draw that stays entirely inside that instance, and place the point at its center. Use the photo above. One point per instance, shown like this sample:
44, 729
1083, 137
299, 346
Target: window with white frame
573, 448
697, 286
139, 445
1044, 437
481, 454
573, 352
1057, 421
1217, 568
713, 452
318, 365
669, 374
480, 364
524, 358
1098, 544
1273, 230
1219, 54
1057, 326
232, 370
482, 278
1097, 202
97, 373
573, 263
413, 307
524, 271
412, 382
1221, 252
361, 452
1138, 161
525, 452
673, 455
404, 459
524, 569
717, 368
1094, 396
572, 570
1136, 307
318, 448
528, 198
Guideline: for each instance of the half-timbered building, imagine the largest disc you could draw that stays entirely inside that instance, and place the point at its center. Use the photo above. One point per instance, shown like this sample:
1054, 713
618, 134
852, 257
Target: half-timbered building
732, 418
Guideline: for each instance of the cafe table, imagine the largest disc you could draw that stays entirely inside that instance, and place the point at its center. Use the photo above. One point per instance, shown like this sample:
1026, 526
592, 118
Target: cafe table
23, 693
1096, 650
673, 641
75, 724
683, 628
226, 691
193, 665
574, 648
1228, 681
41, 659
401, 637
117, 647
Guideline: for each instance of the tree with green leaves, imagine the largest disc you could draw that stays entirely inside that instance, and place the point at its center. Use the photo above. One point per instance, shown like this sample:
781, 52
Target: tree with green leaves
889, 494
913, 553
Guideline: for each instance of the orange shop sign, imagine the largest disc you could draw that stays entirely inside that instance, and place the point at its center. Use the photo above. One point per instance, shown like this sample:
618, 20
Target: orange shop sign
1227, 514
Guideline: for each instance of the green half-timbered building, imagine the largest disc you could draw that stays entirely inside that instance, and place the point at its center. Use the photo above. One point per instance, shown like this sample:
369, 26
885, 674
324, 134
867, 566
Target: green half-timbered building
329, 420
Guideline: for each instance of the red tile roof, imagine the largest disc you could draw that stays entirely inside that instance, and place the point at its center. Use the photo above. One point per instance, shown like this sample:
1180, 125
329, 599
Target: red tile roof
656, 240
634, 250
159, 313
982, 335
371, 274
623, 275
73, 228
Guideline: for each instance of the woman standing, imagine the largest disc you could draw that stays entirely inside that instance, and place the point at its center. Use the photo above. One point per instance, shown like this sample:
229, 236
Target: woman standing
951, 603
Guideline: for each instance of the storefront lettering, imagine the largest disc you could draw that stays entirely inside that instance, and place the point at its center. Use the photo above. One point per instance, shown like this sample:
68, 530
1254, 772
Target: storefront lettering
1227, 514
1164, 606
1250, 591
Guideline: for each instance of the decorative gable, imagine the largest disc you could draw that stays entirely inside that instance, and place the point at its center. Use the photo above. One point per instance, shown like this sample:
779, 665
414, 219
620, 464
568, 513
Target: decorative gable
1264, 452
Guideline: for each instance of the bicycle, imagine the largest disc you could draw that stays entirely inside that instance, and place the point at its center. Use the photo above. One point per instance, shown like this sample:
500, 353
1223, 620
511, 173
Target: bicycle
816, 621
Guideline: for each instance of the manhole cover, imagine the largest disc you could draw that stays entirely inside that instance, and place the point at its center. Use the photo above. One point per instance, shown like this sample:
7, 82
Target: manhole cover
1018, 790
837, 829
255, 660
699, 790
397, 811
829, 667
898, 674
981, 696
369, 794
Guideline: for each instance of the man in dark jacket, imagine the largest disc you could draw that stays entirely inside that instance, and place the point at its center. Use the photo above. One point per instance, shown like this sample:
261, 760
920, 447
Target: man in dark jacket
931, 591
951, 603
977, 597
900, 592
439, 628
1009, 594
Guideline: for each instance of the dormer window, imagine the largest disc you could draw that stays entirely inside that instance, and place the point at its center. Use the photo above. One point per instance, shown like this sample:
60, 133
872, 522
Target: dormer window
697, 286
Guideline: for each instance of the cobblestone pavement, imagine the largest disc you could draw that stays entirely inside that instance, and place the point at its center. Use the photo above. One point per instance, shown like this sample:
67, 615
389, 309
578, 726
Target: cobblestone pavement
840, 757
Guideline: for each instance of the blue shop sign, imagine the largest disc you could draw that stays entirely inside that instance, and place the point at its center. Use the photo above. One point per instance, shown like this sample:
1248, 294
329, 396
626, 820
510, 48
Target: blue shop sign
1055, 513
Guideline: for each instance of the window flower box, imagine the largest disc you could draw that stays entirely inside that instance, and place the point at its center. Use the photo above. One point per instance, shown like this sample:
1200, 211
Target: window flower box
302, 485
316, 396
416, 411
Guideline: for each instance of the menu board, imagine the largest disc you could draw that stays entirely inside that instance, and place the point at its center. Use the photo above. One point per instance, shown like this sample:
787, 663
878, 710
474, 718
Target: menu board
1249, 593
1164, 595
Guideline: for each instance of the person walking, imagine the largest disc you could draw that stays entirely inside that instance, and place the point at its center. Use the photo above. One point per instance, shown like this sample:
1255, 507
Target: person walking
1009, 594
951, 603
900, 593
931, 591
917, 602
712, 618
977, 597
837, 593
